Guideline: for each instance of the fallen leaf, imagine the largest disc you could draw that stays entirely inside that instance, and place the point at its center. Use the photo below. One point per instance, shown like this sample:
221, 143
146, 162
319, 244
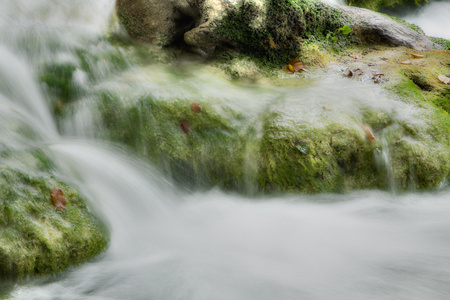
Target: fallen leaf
349, 73
287, 70
417, 55
293, 61
358, 72
406, 62
384, 58
372, 64
368, 131
291, 68
326, 108
444, 79
354, 56
58, 198
195, 107
298, 66
184, 125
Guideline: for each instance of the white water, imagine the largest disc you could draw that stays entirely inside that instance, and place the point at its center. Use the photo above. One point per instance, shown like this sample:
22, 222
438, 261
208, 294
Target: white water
166, 244
433, 18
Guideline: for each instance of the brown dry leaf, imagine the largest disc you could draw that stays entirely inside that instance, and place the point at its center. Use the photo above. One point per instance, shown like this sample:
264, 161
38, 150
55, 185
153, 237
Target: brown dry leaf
58, 198
444, 79
298, 66
384, 58
293, 61
355, 72
195, 107
287, 70
349, 74
184, 125
417, 55
406, 62
354, 56
358, 72
368, 131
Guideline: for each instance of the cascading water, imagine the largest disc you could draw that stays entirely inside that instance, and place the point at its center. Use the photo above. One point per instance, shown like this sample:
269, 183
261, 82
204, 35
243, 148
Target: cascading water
208, 245
433, 18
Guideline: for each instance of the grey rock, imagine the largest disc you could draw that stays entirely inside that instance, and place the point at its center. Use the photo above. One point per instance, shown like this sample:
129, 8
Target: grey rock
166, 21
372, 27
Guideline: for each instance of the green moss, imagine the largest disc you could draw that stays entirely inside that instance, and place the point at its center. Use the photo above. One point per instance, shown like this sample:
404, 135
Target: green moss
443, 42
407, 90
419, 78
443, 100
275, 35
35, 237
212, 153
418, 160
58, 77
328, 158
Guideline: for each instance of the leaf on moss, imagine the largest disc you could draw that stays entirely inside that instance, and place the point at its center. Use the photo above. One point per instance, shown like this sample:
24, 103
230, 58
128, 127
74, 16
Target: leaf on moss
58, 198
298, 66
195, 107
417, 55
444, 79
406, 62
355, 72
294, 66
287, 70
184, 125
368, 131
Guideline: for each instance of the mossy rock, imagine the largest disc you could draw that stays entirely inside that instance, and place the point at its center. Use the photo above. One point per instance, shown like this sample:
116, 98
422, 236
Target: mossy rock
274, 149
275, 31
309, 158
197, 149
37, 238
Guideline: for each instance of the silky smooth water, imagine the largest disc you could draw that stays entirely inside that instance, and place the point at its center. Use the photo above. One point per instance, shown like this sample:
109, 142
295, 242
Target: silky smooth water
433, 17
170, 244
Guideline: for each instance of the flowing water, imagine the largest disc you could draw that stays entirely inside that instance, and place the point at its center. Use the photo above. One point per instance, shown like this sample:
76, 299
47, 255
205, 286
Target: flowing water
433, 17
169, 244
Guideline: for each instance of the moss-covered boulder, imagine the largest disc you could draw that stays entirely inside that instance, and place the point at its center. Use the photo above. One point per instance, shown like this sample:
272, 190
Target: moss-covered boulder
270, 29
289, 134
37, 237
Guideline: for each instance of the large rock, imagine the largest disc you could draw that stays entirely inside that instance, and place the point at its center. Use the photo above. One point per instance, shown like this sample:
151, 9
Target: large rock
375, 28
36, 237
265, 138
258, 25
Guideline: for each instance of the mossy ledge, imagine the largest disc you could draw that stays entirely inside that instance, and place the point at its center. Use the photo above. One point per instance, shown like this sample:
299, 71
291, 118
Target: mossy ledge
36, 238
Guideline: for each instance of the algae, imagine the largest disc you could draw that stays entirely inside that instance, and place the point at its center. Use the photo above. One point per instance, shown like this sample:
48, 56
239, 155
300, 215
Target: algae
275, 35
35, 237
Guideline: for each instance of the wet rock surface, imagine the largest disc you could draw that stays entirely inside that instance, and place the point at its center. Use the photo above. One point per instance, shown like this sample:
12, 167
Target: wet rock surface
196, 22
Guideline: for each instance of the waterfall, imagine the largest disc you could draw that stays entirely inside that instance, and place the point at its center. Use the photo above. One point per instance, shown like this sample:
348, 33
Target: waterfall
170, 242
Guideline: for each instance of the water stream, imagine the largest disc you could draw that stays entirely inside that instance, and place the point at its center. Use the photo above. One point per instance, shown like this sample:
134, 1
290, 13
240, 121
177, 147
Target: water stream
169, 244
